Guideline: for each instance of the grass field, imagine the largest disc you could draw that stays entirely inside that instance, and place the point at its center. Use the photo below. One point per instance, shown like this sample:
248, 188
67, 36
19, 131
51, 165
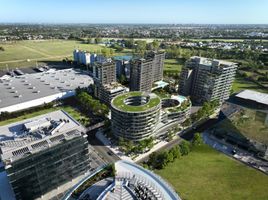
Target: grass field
173, 65
241, 83
70, 110
206, 174
26, 53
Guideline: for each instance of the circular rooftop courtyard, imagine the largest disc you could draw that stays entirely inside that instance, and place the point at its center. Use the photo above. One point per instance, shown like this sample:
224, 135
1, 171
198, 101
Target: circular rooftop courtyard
135, 102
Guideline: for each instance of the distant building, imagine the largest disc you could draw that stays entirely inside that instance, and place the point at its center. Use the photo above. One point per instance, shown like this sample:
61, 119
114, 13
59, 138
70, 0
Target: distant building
44, 155
123, 66
253, 99
158, 64
106, 86
107, 92
141, 77
104, 73
82, 57
93, 58
207, 79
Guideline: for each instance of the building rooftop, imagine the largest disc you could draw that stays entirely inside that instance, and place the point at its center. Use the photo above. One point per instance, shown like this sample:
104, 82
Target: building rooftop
209, 61
114, 87
32, 135
133, 181
24, 88
124, 102
130, 182
126, 58
254, 96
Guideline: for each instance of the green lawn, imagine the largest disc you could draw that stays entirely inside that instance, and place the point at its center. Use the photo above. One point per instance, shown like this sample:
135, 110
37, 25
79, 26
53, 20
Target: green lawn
241, 83
173, 65
23, 53
206, 174
119, 102
70, 110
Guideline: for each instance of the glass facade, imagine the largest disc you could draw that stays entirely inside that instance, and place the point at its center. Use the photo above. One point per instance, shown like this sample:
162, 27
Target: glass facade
39, 173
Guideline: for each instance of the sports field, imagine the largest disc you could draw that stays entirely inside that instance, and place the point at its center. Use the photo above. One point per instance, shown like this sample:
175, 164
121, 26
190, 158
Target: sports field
27, 53
206, 174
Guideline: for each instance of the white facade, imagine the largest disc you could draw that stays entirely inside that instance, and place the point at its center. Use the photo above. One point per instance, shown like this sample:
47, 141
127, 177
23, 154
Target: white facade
82, 57
37, 102
30, 90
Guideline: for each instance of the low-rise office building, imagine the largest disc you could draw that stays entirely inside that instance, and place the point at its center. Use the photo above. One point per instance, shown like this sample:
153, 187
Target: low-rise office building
29, 90
44, 155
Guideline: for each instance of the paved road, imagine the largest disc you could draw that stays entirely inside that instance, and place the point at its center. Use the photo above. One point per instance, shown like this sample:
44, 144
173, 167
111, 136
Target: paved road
103, 150
188, 135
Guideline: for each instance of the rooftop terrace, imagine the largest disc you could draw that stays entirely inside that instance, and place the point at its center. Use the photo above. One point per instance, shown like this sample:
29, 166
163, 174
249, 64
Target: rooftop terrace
146, 101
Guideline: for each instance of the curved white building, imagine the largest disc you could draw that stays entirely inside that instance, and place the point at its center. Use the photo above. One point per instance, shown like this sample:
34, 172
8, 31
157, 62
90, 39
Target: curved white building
130, 182
134, 115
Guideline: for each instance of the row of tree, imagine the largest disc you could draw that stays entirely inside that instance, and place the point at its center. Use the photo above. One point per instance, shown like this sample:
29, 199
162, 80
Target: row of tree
206, 110
91, 104
159, 160
129, 146
10, 115
252, 59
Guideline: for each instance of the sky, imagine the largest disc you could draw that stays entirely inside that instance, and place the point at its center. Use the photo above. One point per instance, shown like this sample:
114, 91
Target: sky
135, 11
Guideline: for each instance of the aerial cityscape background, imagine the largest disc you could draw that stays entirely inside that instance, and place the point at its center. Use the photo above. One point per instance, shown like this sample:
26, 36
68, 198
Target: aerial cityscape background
133, 100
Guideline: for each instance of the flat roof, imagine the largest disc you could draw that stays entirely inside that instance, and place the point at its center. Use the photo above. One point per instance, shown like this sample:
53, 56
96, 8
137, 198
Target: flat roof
15, 142
119, 102
208, 61
24, 88
254, 96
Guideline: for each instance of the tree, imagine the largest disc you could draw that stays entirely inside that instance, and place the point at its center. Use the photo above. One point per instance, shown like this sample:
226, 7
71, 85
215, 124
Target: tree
170, 135
122, 79
98, 40
140, 47
130, 43
117, 47
162, 160
197, 140
187, 122
184, 148
155, 44
176, 152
